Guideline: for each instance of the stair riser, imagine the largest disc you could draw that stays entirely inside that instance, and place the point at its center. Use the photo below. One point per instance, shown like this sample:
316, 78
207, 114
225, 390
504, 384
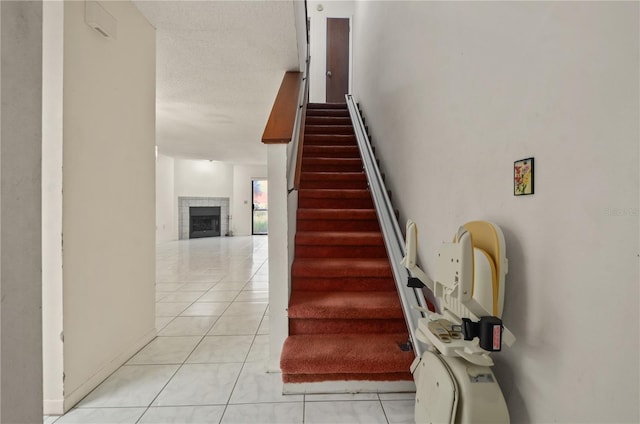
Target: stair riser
306, 251
312, 152
327, 120
312, 203
350, 184
328, 112
329, 140
325, 106
337, 167
330, 152
288, 378
336, 326
342, 284
328, 129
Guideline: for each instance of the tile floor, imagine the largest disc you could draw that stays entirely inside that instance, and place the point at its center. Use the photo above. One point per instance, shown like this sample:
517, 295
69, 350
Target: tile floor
208, 363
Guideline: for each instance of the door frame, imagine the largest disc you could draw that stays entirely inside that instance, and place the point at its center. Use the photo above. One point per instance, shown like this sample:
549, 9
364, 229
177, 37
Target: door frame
349, 55
253, 208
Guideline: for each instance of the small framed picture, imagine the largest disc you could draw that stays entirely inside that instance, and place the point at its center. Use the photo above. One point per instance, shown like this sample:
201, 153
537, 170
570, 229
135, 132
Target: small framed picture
523, 177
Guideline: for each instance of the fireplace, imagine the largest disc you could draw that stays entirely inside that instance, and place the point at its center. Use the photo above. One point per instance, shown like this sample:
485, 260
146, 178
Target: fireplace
204, 221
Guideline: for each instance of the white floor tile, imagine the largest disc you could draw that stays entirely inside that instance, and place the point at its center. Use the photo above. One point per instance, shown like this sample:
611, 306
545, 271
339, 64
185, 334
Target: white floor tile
229, 286
344, 412
130, 385
166, 350
264, 413
188, 326
200, 384
102, 416
256, 385
168, 287
257, 285
236, 325
205, 309
397, 396
161, 322
170, 309
246, 308
219, 296
253, 296
264, 325
218, 349
183, 415
204, 285
259, 351
182, 296
399, 411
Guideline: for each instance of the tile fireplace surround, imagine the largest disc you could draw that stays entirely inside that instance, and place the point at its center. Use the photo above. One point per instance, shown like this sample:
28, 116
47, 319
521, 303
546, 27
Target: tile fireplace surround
184, 203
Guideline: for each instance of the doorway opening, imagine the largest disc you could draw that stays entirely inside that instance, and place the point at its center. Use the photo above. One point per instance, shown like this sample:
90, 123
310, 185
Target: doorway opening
260, 215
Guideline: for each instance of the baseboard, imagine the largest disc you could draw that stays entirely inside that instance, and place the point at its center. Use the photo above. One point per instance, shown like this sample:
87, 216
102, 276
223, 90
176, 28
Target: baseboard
77, 395
53, 407
325, 387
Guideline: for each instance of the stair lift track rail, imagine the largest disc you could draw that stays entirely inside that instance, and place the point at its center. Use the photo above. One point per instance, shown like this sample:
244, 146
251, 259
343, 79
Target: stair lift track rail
393, 239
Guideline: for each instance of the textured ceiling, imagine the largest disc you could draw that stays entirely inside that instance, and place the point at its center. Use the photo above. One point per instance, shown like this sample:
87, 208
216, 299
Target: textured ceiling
219, 67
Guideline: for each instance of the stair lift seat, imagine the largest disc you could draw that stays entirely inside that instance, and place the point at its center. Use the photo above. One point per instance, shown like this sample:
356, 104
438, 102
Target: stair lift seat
454, 381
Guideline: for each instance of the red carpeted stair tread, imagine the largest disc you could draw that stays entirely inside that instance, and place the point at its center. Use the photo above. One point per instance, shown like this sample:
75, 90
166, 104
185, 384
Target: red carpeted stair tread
327, 106
328, 129
356, 283
344, 305
331, 151
328, 120
337, 220
330, 140
334, 199
345, 267
347, 238
327, 112
336, 326
319, 164
361, 354
333, 180
338, 214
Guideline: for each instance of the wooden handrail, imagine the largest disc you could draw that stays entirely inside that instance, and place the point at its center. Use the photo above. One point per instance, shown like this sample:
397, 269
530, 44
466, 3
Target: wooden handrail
279, 128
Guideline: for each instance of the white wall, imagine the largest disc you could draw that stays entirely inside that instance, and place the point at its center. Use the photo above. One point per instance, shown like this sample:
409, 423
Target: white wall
318, 43
241, 210
109, 194
21, 213
453, 94
166, 218
203, 178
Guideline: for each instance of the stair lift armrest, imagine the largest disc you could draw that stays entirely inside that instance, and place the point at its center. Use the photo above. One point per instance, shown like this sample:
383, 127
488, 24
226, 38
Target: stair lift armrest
409, 260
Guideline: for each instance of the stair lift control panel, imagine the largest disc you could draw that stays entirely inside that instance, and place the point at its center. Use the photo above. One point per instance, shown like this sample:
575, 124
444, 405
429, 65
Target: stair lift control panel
454, 381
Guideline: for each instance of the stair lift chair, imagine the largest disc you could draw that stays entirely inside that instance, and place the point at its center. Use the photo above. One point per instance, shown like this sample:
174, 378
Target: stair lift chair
454, 381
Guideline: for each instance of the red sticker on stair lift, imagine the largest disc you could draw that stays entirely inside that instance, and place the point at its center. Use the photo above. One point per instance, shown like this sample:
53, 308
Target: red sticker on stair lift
496, 337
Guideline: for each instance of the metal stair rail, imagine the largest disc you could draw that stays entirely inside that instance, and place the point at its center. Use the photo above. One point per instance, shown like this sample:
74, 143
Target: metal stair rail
410, 298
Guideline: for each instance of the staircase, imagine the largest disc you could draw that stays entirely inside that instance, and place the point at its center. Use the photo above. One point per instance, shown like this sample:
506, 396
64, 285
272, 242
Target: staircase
345, 319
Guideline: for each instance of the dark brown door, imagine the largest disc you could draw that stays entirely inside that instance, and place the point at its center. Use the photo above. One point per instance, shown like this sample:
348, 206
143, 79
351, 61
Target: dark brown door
337, 59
